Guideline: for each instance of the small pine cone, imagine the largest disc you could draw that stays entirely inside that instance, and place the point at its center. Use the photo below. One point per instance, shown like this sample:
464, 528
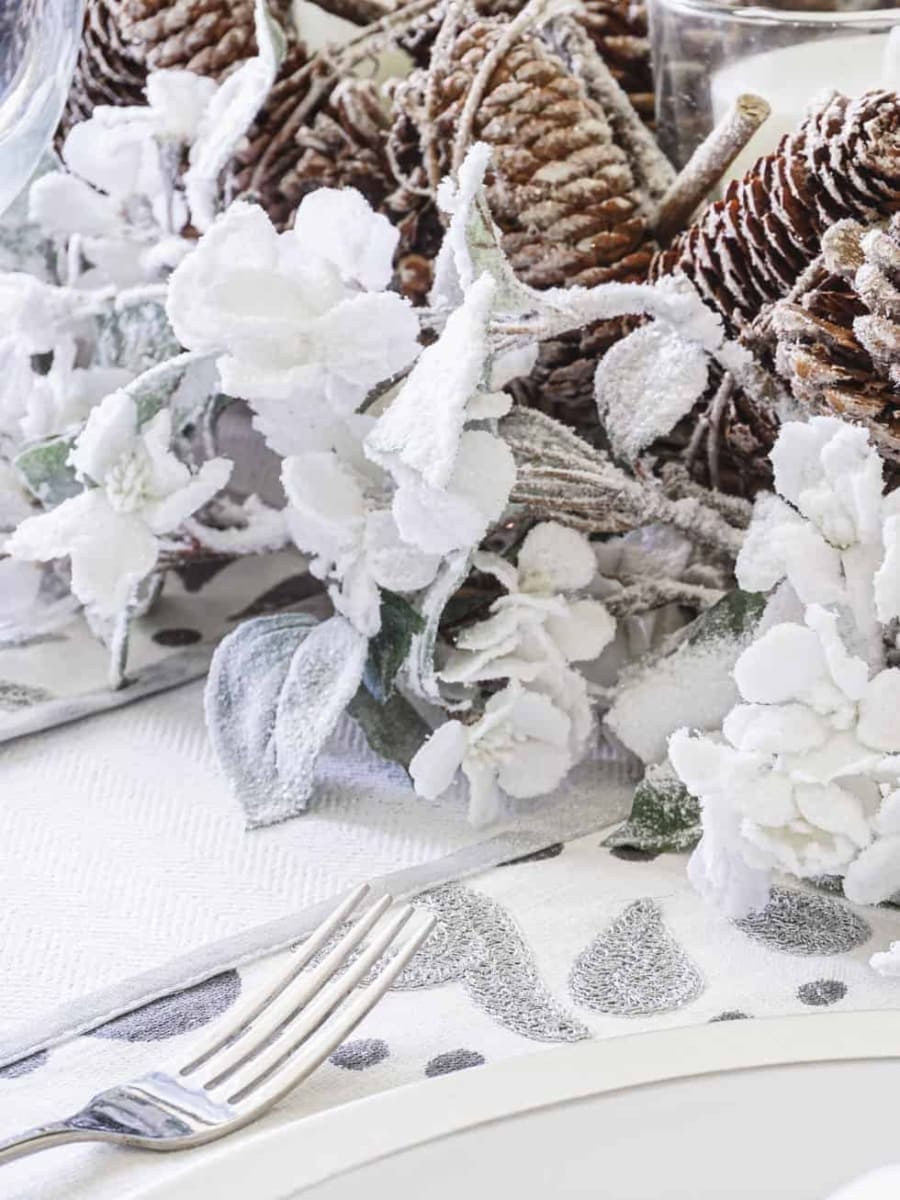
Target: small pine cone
838, 344
311, 133
124, 39
560, 189
748, 249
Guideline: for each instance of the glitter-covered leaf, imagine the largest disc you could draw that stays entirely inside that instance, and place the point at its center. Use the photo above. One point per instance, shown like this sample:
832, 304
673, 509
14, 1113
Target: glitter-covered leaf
664, 816
277, 688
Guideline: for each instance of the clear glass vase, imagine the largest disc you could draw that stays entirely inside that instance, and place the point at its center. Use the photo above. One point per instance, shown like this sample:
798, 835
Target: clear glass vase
38, 45
707, 53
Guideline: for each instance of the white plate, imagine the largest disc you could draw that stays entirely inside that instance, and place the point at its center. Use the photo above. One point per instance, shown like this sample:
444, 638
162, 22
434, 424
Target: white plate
785, 1109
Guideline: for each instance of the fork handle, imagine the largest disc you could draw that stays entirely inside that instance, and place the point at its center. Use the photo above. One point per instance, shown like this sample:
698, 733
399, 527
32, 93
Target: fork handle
42, 1137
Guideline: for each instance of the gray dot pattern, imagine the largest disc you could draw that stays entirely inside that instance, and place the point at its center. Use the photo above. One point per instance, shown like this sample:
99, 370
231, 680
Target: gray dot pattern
453, 1060
821, 992
176, 1014
358, 1055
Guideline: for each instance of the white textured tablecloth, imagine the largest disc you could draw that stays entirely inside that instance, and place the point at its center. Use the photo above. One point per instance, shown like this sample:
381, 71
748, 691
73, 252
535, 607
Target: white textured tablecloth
126, 870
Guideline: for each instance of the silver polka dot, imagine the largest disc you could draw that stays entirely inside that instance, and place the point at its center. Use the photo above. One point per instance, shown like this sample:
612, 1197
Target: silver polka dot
356, 1056
454, 1060
821, 992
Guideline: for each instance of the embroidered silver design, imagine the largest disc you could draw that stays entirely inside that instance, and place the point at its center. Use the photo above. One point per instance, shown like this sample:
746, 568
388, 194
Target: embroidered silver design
802, 923
477, 943
635, 967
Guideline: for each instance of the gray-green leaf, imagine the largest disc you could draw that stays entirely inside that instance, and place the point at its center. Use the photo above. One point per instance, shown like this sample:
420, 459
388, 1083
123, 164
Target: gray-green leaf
664, 816
736, 614
393, 728
276, 690
45, 469
390, 646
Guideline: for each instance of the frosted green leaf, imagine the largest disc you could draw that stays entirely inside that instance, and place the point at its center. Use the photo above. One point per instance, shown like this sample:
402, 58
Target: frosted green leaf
277, 687
664, 816
45, 469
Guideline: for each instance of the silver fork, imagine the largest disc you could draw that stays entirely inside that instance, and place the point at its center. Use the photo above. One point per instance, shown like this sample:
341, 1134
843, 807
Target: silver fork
271, 1045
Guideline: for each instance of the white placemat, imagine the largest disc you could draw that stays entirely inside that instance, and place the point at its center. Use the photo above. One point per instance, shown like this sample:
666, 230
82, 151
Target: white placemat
126, 870
556, 936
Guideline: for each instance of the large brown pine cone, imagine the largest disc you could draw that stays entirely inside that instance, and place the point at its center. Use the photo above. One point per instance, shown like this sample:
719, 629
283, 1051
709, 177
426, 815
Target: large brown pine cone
124, 39
749, 248
618, 29
838, 344
560, 189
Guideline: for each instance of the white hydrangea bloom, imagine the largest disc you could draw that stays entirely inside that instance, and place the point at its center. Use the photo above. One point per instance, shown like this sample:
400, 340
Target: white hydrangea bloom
452, 482
338, 511
803, 778
118, 194
136, 490
520, 746
300, 319
831, 531
535, 627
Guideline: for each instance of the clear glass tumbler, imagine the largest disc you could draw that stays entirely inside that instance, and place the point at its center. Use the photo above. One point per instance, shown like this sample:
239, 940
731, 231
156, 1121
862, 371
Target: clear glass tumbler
707, 53
38, 45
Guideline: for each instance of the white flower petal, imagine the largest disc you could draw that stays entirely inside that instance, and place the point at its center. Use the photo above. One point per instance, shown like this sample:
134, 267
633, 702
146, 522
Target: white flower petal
327, 505
875, 874
167, 513
422, 428
64, 205
554, 558
887, 578
775, 728
832, 808
435, 764
111, 432
395, 564
718, 869
584, 632
179, 99
879, 712
485, 800
536, 768
786, 663
340, 225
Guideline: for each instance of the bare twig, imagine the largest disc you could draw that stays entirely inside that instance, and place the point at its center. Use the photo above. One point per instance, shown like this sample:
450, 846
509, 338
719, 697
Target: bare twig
708, 163
526, 19
643, 595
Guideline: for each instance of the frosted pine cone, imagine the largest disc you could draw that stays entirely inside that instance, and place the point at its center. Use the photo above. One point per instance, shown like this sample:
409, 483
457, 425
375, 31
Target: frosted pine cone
618, 29
124, 39
560, 189
749, 248
312, 132
110, 68
838, 344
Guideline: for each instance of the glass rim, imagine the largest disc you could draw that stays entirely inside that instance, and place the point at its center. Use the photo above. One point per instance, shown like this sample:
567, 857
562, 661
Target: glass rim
759, 15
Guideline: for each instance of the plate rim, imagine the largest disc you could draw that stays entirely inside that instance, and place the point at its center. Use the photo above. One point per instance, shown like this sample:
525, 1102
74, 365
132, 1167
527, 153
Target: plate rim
359, 1132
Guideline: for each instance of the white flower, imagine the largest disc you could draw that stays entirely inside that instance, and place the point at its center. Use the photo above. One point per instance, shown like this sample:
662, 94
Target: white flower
534, 627
136, 490
520, 746
452, 482
288, 312
834, 534
119, 193
35, 406
33, 601
337, 512
801, 779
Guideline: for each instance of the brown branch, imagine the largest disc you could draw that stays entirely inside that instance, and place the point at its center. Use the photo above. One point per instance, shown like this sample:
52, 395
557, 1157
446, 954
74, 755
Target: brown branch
708, 164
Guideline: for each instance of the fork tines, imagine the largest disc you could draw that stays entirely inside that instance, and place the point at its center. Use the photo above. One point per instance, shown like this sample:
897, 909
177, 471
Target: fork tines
274, 1043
